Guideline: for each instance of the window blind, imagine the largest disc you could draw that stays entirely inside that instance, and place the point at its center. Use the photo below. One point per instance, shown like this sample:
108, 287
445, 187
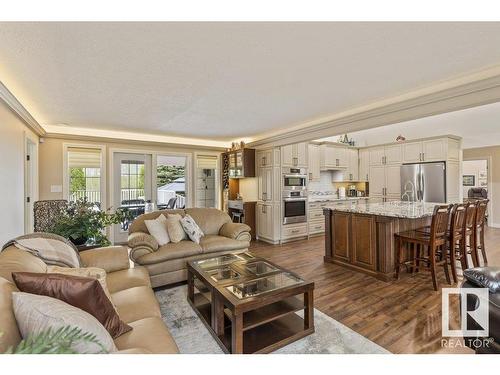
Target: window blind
206, 162
84, 158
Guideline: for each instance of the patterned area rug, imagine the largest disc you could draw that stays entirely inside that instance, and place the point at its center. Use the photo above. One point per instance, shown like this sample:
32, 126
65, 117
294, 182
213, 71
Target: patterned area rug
192, 337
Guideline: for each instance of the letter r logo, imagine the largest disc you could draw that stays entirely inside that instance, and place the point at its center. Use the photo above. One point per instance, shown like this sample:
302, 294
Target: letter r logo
474, 310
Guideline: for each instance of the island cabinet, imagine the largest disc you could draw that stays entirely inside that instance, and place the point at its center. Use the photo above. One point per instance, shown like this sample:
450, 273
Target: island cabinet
364, 241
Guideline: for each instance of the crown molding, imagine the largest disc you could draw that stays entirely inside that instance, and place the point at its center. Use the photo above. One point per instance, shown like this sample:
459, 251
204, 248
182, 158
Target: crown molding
19, 110
468, 91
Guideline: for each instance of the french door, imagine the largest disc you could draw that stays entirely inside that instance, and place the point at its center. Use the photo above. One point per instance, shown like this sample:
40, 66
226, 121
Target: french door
131, 188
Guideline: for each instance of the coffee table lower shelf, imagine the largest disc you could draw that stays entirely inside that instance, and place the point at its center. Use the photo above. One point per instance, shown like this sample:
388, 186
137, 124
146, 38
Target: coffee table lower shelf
265, 329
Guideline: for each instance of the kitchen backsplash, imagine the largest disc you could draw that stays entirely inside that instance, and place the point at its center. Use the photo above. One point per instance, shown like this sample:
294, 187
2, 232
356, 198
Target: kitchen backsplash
325, 183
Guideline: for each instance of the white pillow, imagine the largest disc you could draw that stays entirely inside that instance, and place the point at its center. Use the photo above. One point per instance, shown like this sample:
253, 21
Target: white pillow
158, 229
192, 229
35, 314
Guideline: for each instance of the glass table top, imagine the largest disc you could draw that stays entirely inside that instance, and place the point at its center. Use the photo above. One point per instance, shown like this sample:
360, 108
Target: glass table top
260, 267
224, 273
262, 285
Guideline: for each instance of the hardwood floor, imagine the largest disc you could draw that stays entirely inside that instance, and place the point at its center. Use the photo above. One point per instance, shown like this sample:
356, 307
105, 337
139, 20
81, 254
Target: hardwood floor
402, 316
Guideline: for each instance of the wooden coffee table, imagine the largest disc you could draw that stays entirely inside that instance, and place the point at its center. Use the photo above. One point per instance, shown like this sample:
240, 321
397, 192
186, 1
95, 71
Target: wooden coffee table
249, 304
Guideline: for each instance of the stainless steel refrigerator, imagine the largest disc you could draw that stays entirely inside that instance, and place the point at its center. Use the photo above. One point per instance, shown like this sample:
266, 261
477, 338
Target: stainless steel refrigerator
423, 182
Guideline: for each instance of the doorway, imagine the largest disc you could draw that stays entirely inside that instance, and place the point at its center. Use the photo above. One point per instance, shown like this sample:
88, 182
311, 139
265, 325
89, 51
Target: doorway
131, 188
172, 188
476, 181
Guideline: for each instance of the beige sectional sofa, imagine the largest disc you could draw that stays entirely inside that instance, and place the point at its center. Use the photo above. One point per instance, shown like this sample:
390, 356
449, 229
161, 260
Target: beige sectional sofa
130, 290
167, 264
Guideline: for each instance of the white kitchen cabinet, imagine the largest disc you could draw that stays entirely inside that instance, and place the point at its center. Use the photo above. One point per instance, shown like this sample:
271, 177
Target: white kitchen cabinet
294, 155
264, 158
434, 150
376, 155
353, 164
314, 162
364, 164
412, 152
342, 156
393, 154
377, 180
332, 157
453, 182
393, 181
265, 220
266, 184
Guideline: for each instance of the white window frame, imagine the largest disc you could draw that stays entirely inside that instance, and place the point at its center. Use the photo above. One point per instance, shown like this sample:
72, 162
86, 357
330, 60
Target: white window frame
102, 149
218, 176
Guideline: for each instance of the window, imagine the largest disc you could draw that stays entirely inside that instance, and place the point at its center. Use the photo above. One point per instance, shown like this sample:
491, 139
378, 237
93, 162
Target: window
132, 182
171, 181
84, 172
206, 176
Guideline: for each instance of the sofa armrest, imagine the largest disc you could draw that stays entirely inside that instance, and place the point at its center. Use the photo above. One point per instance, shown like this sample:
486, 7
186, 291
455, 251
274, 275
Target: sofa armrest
141, 244
236, 231
110, 258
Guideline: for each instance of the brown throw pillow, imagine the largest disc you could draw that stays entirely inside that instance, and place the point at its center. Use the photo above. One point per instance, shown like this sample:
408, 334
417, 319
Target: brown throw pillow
82, 292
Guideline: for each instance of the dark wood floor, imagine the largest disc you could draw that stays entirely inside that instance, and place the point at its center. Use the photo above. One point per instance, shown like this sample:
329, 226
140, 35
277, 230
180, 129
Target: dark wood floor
402, 316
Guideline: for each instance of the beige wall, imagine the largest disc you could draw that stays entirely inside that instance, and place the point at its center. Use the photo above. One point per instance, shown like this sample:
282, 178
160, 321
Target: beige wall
51, 162
12, 151
493, 155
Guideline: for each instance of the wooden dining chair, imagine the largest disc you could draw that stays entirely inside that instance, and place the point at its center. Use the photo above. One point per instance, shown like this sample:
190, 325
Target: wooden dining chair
455, 237
468, 243
480, 219
429, 246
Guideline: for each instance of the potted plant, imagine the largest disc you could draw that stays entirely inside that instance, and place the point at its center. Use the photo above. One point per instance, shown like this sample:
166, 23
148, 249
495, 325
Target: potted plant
83, 221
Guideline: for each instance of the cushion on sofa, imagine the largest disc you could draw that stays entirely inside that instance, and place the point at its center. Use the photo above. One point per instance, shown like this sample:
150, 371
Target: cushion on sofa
129, 278
174, 227
210, 220
138, 224
192, 229
149, 334
85, 293
214, 243
14, 260
36, 314
158, 229
171, 251
136, 303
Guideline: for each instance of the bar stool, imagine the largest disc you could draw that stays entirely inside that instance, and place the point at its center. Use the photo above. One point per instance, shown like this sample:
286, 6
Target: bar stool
468, 243
480, 219
237, 217
435, 242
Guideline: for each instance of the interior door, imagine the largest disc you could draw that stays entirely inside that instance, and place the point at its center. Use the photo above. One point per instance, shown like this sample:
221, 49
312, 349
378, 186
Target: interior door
29, 185
132, 180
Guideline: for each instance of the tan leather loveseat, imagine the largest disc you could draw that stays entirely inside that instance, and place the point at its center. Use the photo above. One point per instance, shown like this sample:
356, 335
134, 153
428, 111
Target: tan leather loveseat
167, 264
130, 291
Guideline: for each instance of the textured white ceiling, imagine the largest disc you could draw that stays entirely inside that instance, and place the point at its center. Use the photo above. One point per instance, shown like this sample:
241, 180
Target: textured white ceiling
224, 81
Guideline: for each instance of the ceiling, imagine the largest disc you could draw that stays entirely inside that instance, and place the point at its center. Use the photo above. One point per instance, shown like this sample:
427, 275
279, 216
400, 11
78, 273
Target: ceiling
478, 127
227, 81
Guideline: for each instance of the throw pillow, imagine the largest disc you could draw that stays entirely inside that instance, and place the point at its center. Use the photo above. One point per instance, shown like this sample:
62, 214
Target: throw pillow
36, 314
158, 229
192, 229
82, 292
93, 272
174, 228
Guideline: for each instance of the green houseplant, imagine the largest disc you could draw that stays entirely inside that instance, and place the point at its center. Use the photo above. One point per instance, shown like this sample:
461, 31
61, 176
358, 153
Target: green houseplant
59, 341
82, 221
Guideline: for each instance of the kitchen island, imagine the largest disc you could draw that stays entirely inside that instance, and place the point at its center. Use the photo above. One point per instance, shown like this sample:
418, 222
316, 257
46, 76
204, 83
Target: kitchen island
360, 234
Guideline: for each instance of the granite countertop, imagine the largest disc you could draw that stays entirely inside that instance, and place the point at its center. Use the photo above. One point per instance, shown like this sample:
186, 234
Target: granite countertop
332, 198
407, 210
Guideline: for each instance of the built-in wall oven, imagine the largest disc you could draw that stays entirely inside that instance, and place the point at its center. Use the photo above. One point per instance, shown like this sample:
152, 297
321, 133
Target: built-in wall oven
294, 195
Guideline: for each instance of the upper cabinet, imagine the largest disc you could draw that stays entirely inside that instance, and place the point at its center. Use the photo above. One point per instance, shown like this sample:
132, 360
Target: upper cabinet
242, 163
264, 158
377, 155
393, 154
364, 164
314, 161
294, 155
333, 157
439, 149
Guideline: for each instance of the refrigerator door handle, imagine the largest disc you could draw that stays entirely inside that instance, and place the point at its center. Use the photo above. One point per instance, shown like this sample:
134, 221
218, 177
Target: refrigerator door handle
423, 185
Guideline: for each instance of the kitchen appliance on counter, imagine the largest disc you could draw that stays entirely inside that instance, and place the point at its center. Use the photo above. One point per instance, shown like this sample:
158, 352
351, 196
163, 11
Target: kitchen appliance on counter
423, 182
294, 206
294, 179
352, 191
341, 192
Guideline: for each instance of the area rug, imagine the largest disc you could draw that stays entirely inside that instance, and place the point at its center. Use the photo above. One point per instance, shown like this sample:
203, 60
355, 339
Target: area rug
192, 337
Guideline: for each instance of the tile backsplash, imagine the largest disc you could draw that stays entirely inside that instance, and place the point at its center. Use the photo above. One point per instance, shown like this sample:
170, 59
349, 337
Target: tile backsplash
325, 183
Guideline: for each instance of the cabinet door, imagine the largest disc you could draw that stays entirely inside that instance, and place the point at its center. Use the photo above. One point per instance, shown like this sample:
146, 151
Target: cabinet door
314, 161
327, 156
342, 156
453, 182
287, 155
393, 180
393, 154
377, 180
364, 242
266, 184
341, 230
376, 155
412, 152
353, 164
434, 150
364, 162
301, 155
264, 158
